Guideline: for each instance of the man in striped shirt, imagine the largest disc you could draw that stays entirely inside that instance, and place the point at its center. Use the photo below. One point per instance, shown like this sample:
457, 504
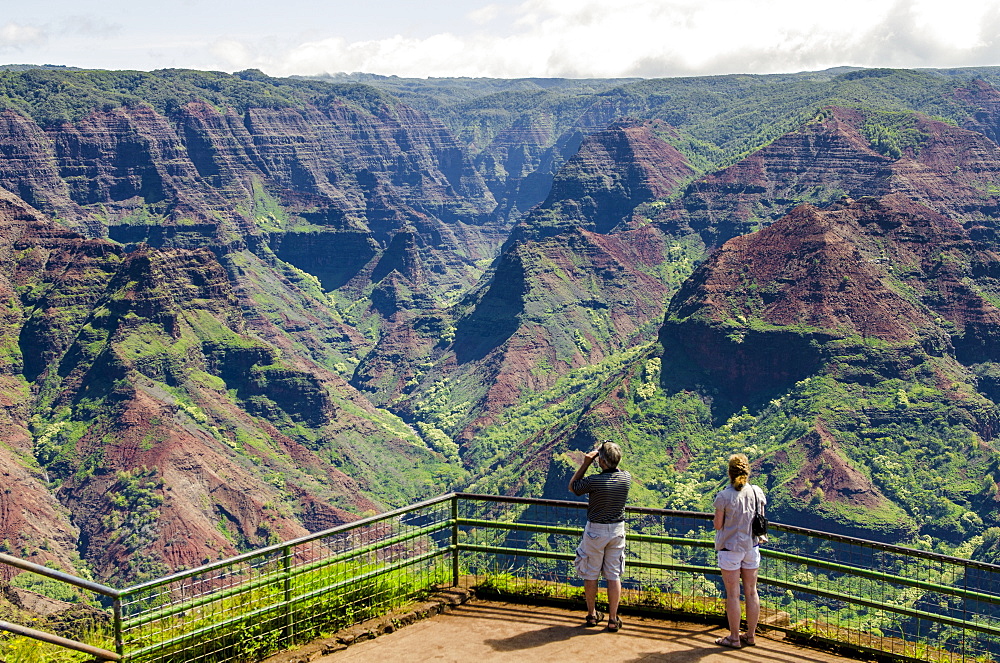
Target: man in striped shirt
602, 549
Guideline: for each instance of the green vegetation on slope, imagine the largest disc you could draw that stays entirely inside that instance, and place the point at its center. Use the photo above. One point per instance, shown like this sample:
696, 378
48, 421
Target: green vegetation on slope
718, 119
50, 96
236, 390
905, 467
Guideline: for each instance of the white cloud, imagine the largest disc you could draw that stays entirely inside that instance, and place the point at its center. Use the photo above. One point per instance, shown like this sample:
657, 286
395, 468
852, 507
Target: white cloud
510, 38
672, 37
233, 52
14, 36
88, 26
485, 15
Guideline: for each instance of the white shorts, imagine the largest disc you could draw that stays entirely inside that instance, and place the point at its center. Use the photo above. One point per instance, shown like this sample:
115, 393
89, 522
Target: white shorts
731, 561
601, 551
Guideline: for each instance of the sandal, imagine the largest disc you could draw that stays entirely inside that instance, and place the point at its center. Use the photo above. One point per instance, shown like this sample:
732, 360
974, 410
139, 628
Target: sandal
729, 642
613, 626
747, 641
595, 619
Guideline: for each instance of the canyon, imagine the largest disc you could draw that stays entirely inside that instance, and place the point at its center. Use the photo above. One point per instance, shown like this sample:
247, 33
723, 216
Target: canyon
239, 308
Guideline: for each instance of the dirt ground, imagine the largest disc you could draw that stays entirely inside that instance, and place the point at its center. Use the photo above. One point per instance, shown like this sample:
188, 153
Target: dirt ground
487, 632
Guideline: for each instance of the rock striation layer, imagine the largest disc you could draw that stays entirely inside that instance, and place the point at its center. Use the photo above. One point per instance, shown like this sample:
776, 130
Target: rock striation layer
323, 184
885, 268
947, 169
153, 430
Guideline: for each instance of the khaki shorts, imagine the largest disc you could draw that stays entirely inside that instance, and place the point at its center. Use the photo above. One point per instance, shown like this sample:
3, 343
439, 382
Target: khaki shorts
601, 551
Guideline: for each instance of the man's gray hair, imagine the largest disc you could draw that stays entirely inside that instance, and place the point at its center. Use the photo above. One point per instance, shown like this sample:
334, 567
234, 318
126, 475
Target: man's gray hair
611, 454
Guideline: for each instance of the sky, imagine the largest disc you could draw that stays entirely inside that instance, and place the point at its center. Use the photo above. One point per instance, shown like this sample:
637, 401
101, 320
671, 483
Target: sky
504, 38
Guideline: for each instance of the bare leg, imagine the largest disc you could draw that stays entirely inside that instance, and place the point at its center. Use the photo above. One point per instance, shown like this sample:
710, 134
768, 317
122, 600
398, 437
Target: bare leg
731, 579
753, 601
614, 596
590, 595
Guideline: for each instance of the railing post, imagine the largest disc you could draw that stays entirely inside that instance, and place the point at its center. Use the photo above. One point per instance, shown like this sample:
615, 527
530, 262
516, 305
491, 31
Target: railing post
965, 612
286, 568
119, 636
454, 541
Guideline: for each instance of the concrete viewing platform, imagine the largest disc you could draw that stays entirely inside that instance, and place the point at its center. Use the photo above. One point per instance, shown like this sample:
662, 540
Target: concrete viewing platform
485, 631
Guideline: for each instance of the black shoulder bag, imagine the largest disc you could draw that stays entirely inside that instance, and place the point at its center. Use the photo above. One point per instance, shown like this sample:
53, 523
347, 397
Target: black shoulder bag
758, 526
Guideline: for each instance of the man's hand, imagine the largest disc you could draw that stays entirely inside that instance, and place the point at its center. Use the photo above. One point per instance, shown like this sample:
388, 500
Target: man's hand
588, 458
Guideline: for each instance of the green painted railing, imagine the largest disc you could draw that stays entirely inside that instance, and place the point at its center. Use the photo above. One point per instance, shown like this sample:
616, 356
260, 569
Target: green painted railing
898, 602
872, 597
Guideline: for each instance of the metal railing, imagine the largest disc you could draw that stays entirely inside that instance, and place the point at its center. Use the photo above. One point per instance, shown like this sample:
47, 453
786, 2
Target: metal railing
904, 603
245, 607
898, 602
79, 584
271, 599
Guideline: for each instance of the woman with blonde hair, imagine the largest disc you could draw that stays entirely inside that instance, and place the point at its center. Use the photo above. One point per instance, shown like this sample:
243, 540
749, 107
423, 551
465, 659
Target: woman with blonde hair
738, 549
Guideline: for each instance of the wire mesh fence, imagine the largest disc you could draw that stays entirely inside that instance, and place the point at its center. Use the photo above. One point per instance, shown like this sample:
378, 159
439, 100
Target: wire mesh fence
53, 615
909, 603
904, 603
242, 608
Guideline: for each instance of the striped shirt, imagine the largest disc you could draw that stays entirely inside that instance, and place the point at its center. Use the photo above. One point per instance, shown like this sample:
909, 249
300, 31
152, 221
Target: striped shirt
606, 494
